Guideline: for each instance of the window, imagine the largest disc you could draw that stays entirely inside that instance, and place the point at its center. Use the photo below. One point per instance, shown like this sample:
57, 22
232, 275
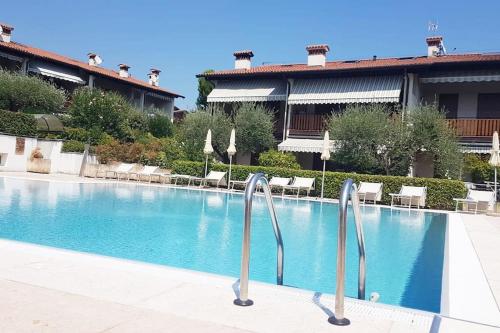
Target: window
449, 104
488, 106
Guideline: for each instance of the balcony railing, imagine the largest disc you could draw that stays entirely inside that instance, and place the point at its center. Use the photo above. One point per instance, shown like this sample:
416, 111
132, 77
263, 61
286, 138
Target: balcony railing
475, 127
310, 124
307, 123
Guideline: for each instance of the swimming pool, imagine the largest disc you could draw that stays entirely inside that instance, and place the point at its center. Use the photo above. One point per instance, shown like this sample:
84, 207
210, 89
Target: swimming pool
202, 230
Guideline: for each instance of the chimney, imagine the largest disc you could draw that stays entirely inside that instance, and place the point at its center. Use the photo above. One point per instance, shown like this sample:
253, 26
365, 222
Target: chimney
243, 59
124, 70
317, 54
94, 59
5, 32
435, 46
154, 77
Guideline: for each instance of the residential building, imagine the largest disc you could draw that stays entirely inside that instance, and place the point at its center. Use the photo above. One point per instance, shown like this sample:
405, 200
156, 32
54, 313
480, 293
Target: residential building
70, 74
467, 86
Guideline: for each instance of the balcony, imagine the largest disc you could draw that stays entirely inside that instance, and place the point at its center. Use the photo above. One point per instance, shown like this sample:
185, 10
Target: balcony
307, 124
475, 128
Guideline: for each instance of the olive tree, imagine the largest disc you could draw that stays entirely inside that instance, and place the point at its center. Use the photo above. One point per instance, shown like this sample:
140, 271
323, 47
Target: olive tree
431, 134
369, 140
193, 131
254, 124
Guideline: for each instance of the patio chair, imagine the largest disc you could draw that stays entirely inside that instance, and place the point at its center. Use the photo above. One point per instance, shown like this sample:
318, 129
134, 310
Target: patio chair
410, 196
214, 177
370, 191
278, 183
147, 171
475, 201
240, 182
300, 183
122, 170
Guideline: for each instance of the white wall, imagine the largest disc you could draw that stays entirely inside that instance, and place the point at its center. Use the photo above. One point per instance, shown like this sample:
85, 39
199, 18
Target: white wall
9, 160
51, 149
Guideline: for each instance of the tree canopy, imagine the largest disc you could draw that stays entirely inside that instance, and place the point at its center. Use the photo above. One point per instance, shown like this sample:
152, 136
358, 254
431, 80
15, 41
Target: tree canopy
204, 88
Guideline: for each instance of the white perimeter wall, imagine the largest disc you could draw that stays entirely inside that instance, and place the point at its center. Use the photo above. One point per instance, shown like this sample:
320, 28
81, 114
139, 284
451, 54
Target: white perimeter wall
51, 149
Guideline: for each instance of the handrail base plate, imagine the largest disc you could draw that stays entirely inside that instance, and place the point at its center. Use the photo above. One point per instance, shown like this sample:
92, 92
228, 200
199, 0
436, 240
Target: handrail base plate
339, 322
239, 302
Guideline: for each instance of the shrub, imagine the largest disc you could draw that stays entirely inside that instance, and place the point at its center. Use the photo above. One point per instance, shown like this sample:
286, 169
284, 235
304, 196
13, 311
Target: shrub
273, 158
477, 168
16, 123
254, 124
93, 136
31, 94
160, 125
93, 109
73, 146
440, 192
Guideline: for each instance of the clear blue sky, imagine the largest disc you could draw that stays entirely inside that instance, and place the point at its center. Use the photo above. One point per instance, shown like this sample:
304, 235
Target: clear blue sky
184, 38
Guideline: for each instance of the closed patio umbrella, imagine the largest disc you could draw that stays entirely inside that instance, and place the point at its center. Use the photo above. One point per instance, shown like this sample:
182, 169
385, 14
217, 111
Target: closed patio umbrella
208, 149
325, 155
231, 151
495, 160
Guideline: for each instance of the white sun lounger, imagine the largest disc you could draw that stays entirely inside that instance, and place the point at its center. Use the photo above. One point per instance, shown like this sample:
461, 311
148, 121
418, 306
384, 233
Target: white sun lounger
410, 196
370, 191
122, 170
148, 171
243, 183
300, 183
278, 182
475, 201
214, 177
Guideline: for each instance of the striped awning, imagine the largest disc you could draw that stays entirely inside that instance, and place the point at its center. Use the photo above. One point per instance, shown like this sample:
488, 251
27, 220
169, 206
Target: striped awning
303, 145
55, 72
372, 89
248, 91
462, 76
475, 147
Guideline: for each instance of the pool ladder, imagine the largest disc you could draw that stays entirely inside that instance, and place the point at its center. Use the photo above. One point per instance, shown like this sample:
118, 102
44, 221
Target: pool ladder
243, 299
349, 189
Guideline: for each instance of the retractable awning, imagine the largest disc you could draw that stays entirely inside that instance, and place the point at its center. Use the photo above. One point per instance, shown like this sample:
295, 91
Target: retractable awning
248, 91
55, 72
371, 89
462, 76
303, 145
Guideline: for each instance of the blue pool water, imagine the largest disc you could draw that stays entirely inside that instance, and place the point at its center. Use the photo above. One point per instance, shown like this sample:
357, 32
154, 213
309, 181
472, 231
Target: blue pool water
202, 231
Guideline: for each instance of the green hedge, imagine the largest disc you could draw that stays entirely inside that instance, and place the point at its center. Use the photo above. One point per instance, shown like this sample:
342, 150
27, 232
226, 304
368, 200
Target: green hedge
17, 123
440, 192
73, 146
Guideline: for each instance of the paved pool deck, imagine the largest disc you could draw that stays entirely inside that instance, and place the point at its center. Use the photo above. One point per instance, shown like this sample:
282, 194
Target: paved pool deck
45, 289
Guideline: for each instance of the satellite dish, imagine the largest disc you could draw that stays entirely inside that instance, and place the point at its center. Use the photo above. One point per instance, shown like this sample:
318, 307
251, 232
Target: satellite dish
98, 60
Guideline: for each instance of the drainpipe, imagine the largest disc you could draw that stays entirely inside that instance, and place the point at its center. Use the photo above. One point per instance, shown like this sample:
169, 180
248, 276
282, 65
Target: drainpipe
405, 94
285, 117
289, 111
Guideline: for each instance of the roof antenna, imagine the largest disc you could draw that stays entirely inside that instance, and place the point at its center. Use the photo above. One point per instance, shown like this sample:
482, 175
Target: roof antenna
432, 27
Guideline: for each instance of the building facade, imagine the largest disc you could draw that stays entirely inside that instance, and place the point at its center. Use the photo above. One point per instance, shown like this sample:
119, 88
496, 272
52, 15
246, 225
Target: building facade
70, 74
466, 86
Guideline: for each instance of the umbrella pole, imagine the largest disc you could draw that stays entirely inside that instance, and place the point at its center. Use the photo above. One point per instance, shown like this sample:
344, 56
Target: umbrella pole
206, 165
495, 189
230, 164
323, 180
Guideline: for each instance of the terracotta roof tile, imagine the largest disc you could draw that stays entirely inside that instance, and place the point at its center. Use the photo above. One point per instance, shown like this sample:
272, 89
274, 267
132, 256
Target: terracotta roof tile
39, 53
365, 64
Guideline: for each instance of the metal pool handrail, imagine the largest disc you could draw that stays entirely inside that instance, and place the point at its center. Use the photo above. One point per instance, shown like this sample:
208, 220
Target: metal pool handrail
349, 189
243, 300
